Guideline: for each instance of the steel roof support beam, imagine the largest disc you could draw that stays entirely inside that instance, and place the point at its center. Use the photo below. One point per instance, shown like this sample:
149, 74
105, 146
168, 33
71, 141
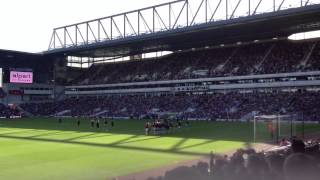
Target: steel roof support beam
167, 16
235, 9
194, 17
124, 25
57, 35
145, 22
54, 39
249, 7
187, 9
307, 2
215, 11
255, 9
206, 10
170, 11
226, 9
92, 33
175, 23
111, 28
64, 37
127, 20
78, 30
281, 5
51, 43
153, 20
76, 35
161, 20
120, 14
69, 36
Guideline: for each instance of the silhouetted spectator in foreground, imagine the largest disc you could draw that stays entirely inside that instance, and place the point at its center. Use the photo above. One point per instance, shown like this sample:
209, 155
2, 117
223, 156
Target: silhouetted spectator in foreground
299, 166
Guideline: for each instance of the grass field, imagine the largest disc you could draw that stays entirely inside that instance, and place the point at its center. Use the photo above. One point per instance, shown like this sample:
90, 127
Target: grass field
43, 149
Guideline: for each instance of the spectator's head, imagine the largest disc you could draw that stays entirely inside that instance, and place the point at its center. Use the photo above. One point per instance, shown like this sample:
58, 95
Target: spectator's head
300, 166
298, 146
275, 163
257, 166
185, 173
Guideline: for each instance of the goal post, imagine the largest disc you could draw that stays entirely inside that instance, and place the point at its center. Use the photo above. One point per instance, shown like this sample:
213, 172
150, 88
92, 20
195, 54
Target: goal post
273, 128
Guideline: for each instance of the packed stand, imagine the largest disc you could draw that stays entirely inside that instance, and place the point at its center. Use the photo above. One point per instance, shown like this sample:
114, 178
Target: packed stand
257, 58
7, 112
231, 105
2, 93
313, 62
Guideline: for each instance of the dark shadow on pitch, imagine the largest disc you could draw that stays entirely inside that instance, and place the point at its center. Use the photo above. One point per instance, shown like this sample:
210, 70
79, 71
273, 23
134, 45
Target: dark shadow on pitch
115, 146
228, 131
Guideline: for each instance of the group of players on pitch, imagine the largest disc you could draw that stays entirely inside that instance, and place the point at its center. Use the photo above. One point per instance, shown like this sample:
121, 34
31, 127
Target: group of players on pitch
95, 122
164, 126
158, 126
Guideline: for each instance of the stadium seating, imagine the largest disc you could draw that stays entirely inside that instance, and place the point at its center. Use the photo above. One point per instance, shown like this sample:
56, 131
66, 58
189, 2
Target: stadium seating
2, 93
257, 58
6, 111
232, 105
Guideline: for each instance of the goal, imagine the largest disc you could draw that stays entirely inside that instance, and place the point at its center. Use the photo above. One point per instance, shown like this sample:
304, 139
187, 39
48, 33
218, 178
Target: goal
272, 128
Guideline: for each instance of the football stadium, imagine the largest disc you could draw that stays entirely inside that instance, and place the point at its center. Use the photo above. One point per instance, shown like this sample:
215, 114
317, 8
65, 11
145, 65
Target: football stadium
183, 90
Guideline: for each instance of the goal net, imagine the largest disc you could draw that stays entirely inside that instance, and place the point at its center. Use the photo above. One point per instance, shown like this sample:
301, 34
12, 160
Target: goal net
273, 128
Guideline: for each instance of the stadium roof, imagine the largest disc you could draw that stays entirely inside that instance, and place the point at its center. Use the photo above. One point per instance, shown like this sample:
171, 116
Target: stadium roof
8, 54
259, 26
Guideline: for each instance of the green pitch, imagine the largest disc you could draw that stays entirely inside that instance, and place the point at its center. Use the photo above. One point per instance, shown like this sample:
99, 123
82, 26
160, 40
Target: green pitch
43, 149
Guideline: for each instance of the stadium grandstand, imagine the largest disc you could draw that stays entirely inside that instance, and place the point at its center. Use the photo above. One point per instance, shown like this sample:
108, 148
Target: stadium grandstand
179, 62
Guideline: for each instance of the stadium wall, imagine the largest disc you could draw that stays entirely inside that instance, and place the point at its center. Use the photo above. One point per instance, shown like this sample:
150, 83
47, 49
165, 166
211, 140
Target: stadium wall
23, 93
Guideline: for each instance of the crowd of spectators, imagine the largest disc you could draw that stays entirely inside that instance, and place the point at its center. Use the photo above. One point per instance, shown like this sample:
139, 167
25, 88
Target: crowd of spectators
2, 93
229, 105
257, 58
6, 111
299, 160
313, 62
